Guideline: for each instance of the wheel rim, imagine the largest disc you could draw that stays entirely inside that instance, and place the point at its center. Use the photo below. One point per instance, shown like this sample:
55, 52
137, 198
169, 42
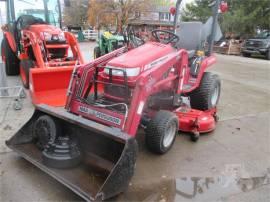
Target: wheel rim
43, 132
23, 76
169, 135
215, 95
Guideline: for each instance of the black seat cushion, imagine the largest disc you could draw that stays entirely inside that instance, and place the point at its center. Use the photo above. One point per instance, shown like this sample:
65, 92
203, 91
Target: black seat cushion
191, 35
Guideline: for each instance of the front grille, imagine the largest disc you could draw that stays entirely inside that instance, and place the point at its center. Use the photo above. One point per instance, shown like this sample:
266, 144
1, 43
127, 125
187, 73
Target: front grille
57, 53
117, 91
254, 44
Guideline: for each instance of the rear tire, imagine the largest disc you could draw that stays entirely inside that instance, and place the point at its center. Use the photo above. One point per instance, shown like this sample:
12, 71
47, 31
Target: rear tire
206, 96
161, 132
246, 55
3, 51
268, 55
25, 66
46, 130
97, 52
11, 60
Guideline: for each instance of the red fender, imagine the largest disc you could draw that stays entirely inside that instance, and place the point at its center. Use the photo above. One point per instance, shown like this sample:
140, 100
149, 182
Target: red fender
206, 63
11, 41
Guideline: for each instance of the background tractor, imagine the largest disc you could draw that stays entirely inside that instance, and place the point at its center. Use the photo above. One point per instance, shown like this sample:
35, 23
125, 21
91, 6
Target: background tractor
90, 146
107, 43
35, 47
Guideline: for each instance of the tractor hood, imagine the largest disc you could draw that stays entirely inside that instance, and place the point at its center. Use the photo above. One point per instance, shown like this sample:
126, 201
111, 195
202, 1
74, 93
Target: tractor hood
40, 29
141, 56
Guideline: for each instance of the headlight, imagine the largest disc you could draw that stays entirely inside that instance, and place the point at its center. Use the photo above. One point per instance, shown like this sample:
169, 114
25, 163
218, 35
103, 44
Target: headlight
120, 71
54, 37
266, 44
47, 36
61, 36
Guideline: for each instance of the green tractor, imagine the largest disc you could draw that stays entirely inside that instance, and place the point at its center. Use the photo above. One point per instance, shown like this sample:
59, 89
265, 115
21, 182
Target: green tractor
108, 42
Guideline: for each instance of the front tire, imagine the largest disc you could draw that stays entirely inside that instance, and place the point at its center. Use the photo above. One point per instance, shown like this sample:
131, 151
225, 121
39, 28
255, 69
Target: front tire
247, 55
268, 55
10, 59
25, 66
161, 132
97, 52
206, 96
46, 129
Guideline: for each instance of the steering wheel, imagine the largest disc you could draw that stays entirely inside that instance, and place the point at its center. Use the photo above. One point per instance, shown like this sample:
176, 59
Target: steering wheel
130, 37
172, 38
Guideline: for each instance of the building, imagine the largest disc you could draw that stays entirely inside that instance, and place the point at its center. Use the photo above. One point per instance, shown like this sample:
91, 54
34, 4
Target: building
158, 16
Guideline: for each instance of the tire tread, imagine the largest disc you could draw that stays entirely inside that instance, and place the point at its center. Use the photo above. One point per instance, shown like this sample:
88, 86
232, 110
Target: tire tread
155, 128
199, 98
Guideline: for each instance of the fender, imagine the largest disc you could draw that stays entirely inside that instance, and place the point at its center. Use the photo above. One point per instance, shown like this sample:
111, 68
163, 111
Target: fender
11, 41
206, 63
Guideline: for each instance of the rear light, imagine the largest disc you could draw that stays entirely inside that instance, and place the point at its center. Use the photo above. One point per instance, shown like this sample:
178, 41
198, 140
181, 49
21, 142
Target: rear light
223, 7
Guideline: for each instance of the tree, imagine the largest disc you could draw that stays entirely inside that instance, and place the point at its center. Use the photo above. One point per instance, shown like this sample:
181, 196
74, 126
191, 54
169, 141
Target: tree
109, 10
101, 13
76, 13
198, 10
244, 16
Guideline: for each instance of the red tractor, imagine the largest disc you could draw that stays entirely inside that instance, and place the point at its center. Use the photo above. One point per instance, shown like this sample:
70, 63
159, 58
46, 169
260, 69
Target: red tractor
35, 47
90, 145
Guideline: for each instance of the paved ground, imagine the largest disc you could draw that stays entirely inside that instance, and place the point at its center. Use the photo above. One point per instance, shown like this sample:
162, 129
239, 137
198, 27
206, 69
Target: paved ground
230, 164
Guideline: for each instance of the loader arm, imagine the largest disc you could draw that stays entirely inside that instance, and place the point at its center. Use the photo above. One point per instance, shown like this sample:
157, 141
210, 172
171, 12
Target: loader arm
11, 41
165, 75
35, 44
82, 75
151, 82
71, 39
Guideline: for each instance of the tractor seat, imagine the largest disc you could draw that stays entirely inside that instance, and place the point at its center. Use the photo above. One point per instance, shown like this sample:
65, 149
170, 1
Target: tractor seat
190, 37
27, 20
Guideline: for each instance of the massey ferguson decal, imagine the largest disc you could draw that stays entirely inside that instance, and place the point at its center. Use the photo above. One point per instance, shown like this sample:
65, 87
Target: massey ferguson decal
100, 115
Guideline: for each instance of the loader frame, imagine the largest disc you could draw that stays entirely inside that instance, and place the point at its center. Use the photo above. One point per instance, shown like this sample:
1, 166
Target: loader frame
48, 77
149, 83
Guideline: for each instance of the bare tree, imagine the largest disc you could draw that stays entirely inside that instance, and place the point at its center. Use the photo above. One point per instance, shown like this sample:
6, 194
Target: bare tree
118, 12
76, 14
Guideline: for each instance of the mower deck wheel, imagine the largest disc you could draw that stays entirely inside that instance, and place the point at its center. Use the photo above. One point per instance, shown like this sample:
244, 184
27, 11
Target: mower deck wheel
97, 52
161, 132
206, 96
10, 59
195, 136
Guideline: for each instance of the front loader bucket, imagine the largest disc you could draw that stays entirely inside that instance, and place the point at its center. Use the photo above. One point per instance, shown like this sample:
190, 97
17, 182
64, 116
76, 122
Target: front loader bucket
49, 85
108, 158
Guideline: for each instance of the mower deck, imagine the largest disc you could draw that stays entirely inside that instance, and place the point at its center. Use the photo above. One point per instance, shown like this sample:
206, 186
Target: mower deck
196, 121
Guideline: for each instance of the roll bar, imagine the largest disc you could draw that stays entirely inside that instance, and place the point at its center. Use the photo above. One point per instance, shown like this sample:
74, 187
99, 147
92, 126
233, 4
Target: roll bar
215, 6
